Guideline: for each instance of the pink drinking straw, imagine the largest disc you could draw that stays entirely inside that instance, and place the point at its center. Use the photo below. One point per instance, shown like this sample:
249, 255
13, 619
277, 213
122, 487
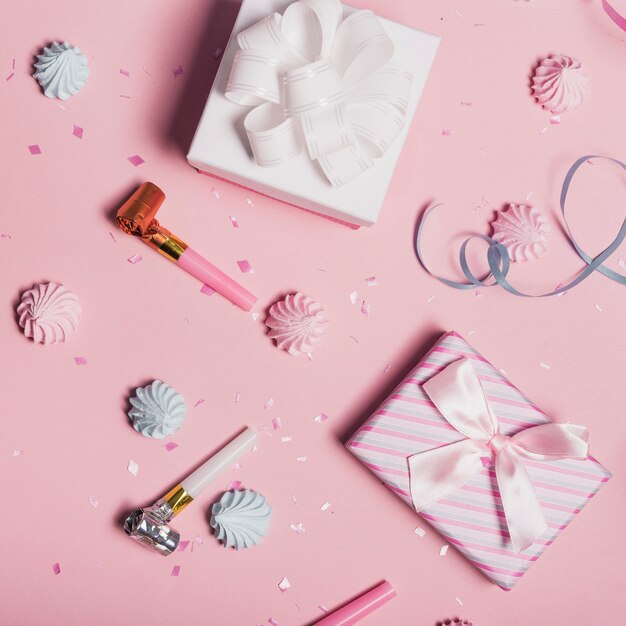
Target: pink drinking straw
359, 608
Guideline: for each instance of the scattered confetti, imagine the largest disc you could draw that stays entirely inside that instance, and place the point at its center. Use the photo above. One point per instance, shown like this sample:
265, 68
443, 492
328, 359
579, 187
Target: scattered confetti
199, 402
216, 53
545, 366
599, 308
273, 621
199, 540
233, 484
34, 149
354, 339
285, 439
136, 258
245, 267
300, 459
170, 445
443, 550
175, 570
430, 299
459, 600
215, 193
5, 236
543, 131
56, 568
446, 132
354, 297
298, 528
322, 608
124, 72
10, 76
17, 452
177, 71
237, 397
80, 360
294, 500
206, 290
93, 501
182, 545
276, 423
284, 584
419, 531
78, 131
478, 24
112, 237
124, 96
135, 159
237, 465
466, 104
233, 221
322, 417
325, 506
249, 202
387, 368
255, 316
555, 119
269, 403
458, 12
133, 468
371, 281
366, 307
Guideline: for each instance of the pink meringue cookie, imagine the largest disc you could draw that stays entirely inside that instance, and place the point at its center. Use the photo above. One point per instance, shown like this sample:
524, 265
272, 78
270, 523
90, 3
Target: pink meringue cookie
559, 83
296, 323
523, 230
48, 313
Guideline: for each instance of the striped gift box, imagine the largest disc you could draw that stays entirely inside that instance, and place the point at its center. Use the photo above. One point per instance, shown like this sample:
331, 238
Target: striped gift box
471, 518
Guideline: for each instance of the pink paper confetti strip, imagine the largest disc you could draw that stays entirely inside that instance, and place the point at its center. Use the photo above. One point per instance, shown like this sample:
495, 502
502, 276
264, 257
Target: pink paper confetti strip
446, 132
233, 221
80, 360
10, 76
371, 281
170, 445
135, 159
272, 621
599, 308
182, 545
132, 467
56, 568
199, 402
366, 307
237, 397
322, 417
206, 290
459, 600
443, 550
245, 267
233, 484
136, 258
78, 131
177, 71
93, 501
276, 423
175, 570
34, 149
555, 119
124, 72
325, 506
284, 584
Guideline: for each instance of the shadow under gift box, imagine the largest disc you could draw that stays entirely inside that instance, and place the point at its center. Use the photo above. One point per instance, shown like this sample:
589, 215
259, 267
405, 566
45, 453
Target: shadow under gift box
471, 518
220, 146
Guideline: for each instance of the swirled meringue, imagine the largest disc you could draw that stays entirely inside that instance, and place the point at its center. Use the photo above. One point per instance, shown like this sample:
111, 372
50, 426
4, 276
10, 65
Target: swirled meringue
61, 70
523, 230
48, 313
296, 323
241, 518
559, 83
158, 410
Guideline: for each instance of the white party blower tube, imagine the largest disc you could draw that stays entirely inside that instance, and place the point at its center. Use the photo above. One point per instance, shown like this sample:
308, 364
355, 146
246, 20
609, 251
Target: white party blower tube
196, 482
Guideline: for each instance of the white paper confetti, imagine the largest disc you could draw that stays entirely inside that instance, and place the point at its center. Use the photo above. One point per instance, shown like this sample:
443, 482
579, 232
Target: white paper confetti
354, 297
133, 468
325, 506
459, 600
245, 267
136, 258
545, 366
322, 417
599, 308
237, 397
420, 532
215, 193
285, 439
269, 403
443, 550
298, 528
371, 281
430, 299
17, 452
93, 501
284, 584
301, 459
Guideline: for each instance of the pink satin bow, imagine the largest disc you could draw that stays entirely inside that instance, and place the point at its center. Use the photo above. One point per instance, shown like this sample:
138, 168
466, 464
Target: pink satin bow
458, 394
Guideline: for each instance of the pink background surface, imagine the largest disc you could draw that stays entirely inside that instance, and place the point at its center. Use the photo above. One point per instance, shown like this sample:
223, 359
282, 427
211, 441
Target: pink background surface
150, 320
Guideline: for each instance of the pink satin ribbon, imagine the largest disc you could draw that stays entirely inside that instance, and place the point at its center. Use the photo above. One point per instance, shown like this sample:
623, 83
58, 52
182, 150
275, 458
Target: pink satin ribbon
458, 394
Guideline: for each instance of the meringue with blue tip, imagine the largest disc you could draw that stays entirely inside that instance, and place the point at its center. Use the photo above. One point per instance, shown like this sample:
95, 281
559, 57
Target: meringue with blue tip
61, 70
158, 410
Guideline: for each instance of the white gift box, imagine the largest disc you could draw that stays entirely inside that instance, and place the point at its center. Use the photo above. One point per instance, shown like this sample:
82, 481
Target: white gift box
221, 145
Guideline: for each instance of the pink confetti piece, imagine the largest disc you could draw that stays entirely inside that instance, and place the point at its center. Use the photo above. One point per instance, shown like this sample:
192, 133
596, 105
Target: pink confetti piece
182, 545
366, 307
298, 528
325, 506
10, 76
132, 467
419, 531
555, 119
112, 237
78, 131
80, 360
301, 459
446, 132
17, 452
135, 159
215, 193
478, 294
486, 461
430, 298
206, 290
170, 445
233, 221
322, 608
233, 484
269, 403
466, 104
125, 73
34, 149
237, 397
599, 308
217, 53
322, 417
295, 502
273, 621
93, 501
459, 600
136, 258
371, 281
245, 267
56, 568
199, 402
443, 550
354, 297
177, 71
276, 423
285, 439
545, 366
175, 570
284, 584
543, 131
387, 368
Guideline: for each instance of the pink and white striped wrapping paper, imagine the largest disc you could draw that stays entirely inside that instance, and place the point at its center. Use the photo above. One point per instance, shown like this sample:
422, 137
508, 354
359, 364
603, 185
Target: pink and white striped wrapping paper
471, 518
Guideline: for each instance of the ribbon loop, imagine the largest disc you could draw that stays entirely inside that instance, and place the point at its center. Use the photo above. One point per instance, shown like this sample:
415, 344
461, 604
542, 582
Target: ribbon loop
458, 394
338, 94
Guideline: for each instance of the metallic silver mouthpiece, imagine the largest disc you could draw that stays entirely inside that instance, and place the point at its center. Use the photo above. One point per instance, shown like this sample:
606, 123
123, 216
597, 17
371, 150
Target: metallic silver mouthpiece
149, 527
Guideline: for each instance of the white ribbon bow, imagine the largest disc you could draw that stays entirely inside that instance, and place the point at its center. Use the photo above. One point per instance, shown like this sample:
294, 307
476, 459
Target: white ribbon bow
321, 83
457, 393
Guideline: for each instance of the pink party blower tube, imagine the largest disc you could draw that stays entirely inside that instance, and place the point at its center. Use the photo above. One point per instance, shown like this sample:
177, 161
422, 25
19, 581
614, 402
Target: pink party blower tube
137, 216
359, 608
